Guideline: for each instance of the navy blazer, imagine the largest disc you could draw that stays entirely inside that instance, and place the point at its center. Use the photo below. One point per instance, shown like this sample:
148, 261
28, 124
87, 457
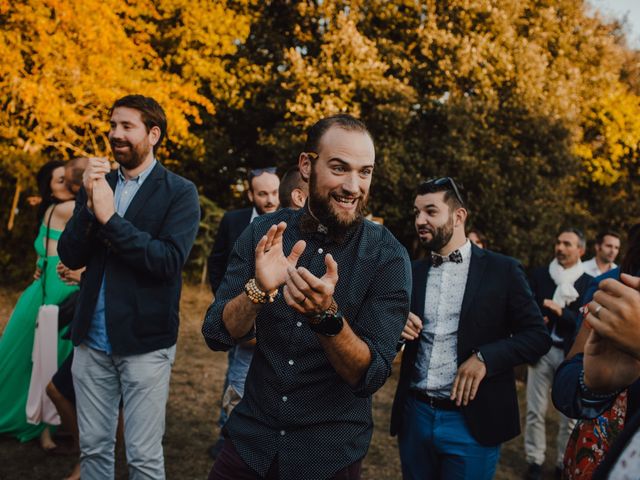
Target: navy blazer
231, 226
140, 256
499, 317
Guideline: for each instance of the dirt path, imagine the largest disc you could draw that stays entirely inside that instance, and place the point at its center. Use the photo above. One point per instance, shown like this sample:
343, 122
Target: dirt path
196, 384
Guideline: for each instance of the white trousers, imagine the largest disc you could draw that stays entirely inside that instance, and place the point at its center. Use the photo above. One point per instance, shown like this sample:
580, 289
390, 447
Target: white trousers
539, 381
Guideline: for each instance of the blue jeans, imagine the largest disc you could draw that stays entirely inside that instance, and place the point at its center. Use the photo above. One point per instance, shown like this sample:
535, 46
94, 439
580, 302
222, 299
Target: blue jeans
436, 443
142, 381
239, 359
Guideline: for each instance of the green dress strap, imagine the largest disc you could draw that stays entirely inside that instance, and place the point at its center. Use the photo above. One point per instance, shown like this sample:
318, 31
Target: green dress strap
53, 233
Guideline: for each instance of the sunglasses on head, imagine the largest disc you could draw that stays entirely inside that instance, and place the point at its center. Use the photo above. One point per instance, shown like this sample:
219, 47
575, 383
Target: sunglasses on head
445, 181
256, 172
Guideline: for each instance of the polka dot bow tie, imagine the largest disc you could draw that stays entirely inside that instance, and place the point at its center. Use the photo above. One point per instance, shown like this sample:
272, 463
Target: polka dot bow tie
437, 260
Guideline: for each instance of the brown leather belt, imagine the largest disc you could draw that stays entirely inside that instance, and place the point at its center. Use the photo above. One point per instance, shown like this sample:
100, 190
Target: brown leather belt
439, 403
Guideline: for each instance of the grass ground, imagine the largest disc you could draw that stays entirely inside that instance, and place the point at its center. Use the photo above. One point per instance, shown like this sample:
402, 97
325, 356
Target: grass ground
196, 386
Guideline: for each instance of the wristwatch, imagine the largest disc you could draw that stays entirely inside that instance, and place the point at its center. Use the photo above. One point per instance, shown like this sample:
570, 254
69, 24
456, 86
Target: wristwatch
478, 354
328, 323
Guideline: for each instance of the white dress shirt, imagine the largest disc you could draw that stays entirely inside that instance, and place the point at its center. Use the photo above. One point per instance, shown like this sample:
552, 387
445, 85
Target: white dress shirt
437, 360
591, 268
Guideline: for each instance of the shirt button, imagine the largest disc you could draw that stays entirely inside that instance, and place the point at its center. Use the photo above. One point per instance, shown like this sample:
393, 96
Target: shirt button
290, 362
320, 250
284, 399
298, 324
282, 432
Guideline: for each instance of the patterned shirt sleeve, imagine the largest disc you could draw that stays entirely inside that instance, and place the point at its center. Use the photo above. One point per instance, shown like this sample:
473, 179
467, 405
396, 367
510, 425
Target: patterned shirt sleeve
383, 317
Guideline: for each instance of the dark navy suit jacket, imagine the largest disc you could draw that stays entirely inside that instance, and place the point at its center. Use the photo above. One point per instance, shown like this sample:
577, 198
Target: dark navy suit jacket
499, 317
140, 256
231, 226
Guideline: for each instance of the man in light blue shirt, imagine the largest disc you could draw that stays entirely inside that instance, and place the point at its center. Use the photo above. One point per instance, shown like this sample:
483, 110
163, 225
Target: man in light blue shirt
132, 229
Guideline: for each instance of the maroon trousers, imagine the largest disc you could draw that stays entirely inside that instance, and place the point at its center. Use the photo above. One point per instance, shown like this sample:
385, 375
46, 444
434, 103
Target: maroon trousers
230, 466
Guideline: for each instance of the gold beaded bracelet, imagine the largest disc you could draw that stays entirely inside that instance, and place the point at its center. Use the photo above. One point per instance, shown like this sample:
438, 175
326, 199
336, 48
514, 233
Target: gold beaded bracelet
258, 296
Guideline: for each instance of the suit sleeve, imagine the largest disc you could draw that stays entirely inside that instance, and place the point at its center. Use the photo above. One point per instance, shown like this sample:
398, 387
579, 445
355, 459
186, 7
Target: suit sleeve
529, 339
217, 262
162, 257
74, 246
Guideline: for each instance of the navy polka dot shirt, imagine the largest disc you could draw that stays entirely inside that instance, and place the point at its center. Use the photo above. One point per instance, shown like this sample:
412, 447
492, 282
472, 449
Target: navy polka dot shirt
295, 405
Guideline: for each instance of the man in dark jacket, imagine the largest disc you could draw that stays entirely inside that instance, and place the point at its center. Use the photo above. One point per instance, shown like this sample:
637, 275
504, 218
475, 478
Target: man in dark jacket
473, 319
132, 229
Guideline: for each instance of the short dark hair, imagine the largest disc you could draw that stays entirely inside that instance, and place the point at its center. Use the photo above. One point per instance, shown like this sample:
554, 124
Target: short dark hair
77, 166
288, 183
606, 233
481, 236
151, 113
436, 185
582, 241
341, 120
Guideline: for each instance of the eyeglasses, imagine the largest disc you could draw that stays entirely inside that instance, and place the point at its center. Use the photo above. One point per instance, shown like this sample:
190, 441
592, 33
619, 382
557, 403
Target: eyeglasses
444, 181
256, 172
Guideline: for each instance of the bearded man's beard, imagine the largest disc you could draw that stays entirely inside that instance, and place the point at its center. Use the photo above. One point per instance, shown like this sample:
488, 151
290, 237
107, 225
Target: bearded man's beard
440, 236
324, 211
134, 156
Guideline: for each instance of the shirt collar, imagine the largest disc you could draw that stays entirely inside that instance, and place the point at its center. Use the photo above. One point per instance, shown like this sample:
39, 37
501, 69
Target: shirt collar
254, 214
310, 225
465, 251
142, 176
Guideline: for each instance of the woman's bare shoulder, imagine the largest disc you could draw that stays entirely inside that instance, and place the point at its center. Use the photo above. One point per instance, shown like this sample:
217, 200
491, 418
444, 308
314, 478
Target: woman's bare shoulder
62, 214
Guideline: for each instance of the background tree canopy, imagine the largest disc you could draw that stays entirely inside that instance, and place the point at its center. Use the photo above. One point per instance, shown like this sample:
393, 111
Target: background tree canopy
534, 106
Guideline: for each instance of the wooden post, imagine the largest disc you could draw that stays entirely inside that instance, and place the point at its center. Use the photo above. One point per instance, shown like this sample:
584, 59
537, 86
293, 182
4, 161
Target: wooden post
14, 206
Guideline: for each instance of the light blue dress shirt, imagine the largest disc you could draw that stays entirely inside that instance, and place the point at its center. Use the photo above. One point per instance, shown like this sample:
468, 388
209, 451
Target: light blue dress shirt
97, 337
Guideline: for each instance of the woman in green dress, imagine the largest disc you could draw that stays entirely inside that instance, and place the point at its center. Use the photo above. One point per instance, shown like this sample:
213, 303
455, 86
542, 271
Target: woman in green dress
16, 343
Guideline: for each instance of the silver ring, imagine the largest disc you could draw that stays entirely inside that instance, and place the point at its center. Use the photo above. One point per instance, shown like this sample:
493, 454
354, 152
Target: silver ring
596, 312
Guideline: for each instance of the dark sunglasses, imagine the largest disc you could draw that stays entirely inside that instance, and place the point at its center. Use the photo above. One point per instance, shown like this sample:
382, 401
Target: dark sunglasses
445, 181
256, 172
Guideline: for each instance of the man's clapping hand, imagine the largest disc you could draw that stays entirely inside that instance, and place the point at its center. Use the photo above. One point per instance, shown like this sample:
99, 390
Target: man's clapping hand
308, 294
96, 169
271, 263
103, 203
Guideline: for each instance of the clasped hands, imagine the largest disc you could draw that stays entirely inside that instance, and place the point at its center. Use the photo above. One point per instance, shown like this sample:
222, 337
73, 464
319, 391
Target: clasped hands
99, 193
469, 374
612, 352
303, 291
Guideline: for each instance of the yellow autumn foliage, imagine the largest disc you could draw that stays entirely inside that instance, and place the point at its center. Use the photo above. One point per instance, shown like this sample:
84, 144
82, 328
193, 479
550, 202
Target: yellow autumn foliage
66, 61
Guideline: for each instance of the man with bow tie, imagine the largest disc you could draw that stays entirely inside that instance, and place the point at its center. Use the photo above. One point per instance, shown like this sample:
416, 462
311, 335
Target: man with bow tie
473, 320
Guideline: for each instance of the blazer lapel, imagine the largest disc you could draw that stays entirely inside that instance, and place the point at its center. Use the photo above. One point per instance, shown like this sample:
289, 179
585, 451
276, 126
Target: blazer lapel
146, 189
474, 279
